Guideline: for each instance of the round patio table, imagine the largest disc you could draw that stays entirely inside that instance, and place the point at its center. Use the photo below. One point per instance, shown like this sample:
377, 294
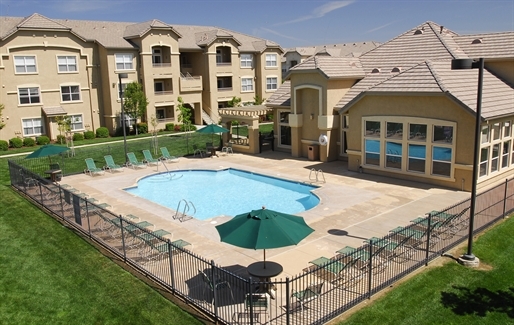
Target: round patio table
265, 274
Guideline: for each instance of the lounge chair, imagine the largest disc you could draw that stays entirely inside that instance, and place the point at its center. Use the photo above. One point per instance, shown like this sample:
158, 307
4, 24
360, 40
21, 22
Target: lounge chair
91, 167
166, 155
312, 292
111, 165
227, 149
338, 272
361, 257
397, 251
133, 162
149, 159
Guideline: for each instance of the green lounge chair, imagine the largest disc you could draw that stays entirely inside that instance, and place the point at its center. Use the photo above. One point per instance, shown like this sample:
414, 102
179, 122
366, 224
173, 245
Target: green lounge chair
91, 167
111, 165
149, 159
166, 155
133, 162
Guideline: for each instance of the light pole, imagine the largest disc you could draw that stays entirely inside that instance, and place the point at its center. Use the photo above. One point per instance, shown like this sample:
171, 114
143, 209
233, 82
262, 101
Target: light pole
469, 259
124, 76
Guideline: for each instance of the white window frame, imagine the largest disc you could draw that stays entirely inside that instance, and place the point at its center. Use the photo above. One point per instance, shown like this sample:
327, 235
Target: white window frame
30, 94
70, 64
246, 84
32, 126
70, 94
126, 60
76, 122
270, 83
246, 61
24, 64
271, 60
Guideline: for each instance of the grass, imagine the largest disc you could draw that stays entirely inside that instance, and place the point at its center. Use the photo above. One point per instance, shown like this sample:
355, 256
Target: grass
454, 294
50, 275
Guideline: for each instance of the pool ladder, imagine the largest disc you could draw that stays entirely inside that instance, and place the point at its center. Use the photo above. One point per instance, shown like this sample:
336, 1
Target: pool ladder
315, 175
183, 216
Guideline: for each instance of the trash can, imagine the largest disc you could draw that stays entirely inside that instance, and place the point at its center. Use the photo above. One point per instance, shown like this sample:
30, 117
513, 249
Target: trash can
313, 152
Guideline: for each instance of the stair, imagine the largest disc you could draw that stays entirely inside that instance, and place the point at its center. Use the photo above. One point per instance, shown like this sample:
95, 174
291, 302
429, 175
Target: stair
207, 118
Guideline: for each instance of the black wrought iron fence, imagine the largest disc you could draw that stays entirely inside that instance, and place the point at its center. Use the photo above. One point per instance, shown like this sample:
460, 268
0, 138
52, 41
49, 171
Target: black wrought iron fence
325, 289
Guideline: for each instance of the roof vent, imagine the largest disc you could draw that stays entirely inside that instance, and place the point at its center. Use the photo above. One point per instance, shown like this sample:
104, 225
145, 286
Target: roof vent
396, 69
418, 32
442, 29
376, 70
477, 41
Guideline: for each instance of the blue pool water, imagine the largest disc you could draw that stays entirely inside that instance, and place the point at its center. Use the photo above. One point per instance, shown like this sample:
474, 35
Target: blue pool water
415, 151
226, 192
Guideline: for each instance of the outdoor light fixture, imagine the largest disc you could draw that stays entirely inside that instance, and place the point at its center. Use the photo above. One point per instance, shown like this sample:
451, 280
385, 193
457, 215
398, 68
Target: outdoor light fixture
469, 259
124, 76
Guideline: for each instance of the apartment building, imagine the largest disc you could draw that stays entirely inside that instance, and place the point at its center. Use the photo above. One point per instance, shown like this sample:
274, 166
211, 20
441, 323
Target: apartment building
55, 67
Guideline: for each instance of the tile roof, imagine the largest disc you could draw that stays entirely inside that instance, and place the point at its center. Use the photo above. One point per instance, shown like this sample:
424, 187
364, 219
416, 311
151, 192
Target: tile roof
331, 67
114, 34
281, 97
341, 49
437, 77
491, 45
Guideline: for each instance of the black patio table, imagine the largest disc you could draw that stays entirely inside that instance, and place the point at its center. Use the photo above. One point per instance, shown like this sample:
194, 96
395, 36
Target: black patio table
265, 274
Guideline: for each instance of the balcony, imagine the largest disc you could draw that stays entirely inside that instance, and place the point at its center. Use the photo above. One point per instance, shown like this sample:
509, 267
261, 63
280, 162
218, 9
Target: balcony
189, 83
163, 92
225, 89
161, 65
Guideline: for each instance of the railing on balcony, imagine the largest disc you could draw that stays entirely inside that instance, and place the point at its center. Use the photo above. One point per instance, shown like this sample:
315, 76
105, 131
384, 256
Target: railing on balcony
163, 92
223, 63
190, 83
161, 65
225, 89
186, 65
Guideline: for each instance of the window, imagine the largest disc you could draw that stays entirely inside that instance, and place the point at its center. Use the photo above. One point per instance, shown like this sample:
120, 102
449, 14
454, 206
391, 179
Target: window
124, 61
443, 134
29, 95
372, 151
394, 155
247, 84
505, 154
293, 63
441, 161
25, 64
394, 130
495, 158
70, 93
123, 87
160, 113
271, 83
418, 132
484, 161
496, 131
246, 60
285, 129
67, 63
485, 134
417, 158
271, 60
32, 126
372, 129
76, 122
156, 56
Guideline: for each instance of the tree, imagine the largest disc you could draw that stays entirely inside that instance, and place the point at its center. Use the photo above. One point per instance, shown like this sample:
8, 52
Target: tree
234, 102
154, 123
184, 115
258, 100
2, 124
63, 125
135, 101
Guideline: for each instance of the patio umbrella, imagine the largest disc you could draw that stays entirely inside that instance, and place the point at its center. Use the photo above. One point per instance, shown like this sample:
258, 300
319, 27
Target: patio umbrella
47, 150
262, 229
212, 128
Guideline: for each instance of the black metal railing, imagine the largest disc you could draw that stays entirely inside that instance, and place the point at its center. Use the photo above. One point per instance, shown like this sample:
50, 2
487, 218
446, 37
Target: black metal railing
228, 295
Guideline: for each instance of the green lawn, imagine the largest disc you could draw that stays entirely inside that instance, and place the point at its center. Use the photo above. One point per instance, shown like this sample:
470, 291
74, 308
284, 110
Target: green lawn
49, 275
454, 294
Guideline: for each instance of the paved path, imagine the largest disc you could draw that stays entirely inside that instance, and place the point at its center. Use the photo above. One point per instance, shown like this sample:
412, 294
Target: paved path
353, 207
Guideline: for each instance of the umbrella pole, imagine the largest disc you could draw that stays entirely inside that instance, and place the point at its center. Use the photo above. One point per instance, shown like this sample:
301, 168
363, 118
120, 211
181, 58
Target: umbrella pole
264, 258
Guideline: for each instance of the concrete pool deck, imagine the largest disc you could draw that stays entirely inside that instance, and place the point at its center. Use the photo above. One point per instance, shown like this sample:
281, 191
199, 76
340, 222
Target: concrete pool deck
353, 207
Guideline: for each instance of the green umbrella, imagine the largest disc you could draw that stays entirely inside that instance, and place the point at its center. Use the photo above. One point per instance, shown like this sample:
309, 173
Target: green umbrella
211, 129
47, 150
261, 229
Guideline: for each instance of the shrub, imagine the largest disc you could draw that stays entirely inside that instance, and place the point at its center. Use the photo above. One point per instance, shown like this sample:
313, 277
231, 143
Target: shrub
102, 132
42, 140
142, 128
178, 127
170, 126
183, 128
16, 143
29, 142
4, 145
89, 135
61, 139
119, 131
78, 136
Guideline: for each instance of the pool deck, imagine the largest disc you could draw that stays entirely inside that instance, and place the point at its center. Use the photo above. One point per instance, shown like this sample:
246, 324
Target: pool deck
353, 206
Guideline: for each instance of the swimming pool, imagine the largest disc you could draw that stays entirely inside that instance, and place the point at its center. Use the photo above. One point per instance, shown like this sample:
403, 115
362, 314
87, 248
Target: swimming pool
226, 192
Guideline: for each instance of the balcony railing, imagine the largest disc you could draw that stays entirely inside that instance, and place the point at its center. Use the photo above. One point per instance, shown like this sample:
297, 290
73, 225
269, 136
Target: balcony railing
161, 65
163, 92
225, 89
190, 83
223, 63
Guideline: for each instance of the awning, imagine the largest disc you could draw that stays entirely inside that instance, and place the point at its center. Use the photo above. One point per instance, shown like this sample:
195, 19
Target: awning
54, 111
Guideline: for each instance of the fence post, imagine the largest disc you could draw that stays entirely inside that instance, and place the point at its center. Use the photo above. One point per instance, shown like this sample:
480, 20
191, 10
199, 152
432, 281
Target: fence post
288, 302
62, 204
370, 268
170, 249
505, 198
429, 231
123, 239
214, 292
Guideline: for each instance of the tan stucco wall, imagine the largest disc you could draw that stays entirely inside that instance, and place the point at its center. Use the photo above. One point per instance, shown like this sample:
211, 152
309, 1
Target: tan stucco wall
503, 69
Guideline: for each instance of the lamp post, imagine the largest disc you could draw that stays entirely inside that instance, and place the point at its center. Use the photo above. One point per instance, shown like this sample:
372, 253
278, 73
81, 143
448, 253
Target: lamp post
124, 76
469, 259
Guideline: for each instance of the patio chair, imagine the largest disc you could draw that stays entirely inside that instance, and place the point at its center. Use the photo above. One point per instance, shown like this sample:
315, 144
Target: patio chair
216, 284
111, 165
91, 168
166, 155
197, 150
149, 159
133, 162
399, 252
259, 304
312, 292
227, 149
